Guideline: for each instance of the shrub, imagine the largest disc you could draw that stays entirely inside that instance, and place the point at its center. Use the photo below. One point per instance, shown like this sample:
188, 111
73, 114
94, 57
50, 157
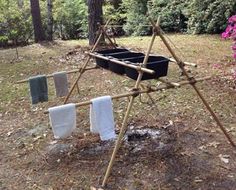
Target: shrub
173, 14
136, 11
70, 19
230, 32
3, 41
209, 16
15, 22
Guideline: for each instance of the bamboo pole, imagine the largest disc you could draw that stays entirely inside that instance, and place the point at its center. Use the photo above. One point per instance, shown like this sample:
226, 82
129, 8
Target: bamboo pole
138, 68
149, 96
169, 83
146, 90
124, 124
67, 72
108, 37
77, 86
84, 66
185, 63
180, 64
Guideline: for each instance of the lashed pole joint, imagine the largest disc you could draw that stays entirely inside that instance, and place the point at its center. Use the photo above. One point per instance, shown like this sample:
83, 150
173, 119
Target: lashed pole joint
192, 80
136, 92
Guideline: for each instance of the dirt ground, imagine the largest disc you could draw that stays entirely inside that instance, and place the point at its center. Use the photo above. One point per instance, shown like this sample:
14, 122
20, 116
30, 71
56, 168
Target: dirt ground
188, 152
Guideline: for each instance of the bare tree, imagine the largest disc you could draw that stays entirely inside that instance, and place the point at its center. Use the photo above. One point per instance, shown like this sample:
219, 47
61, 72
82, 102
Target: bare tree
95, 14
37, 22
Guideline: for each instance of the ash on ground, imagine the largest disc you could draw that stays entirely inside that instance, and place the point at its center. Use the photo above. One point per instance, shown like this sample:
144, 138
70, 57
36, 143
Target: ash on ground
139, 139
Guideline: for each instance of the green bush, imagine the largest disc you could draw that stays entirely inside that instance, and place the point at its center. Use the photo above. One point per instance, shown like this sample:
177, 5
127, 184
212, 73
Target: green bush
209, 16
117, 16
194, 16
70, 19
173, 14
136, 11
3, 41
15, 22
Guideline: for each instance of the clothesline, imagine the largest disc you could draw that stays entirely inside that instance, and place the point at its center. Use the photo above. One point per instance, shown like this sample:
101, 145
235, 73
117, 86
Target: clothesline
67, 72
114, 60
148, 90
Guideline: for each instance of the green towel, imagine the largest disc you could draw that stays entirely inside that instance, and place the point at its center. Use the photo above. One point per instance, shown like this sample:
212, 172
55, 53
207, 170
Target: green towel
38, 89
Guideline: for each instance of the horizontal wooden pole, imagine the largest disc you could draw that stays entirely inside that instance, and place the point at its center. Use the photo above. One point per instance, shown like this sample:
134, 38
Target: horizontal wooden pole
124, 63
116, 25
173, 60
147, 90
67, 72
169, 83
185, 63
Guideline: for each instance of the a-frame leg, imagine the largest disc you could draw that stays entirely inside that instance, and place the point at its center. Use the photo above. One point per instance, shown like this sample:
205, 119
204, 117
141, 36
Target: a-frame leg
85, 64
124, 124
192, 82
108, 37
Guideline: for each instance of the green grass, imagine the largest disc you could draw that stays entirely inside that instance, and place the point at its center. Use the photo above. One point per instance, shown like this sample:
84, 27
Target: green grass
178, 105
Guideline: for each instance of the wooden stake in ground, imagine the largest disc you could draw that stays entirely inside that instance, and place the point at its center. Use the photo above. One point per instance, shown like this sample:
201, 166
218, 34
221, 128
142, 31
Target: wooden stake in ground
181, 66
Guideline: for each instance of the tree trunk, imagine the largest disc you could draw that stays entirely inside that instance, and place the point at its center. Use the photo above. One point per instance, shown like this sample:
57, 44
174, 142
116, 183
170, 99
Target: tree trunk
116, 4
95, 14
50, 21
37, 22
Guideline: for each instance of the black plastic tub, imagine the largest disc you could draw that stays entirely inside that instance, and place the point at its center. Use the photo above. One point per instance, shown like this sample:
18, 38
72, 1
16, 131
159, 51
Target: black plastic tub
122, 56
157, 63
103, 63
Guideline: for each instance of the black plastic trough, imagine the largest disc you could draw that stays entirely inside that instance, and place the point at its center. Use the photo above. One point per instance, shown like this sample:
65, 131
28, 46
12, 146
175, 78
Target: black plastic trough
103, 63
157, 63
122, 56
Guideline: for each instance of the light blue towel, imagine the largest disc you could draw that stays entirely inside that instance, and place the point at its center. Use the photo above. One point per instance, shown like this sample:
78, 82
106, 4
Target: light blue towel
38, 89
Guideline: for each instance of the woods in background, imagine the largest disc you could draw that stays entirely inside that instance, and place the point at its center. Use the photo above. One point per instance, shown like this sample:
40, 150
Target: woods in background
73, 19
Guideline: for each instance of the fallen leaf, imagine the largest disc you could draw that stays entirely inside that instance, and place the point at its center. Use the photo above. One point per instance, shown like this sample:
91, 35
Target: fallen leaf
198, 180
9, 133
37, 138
214, 144
224, 158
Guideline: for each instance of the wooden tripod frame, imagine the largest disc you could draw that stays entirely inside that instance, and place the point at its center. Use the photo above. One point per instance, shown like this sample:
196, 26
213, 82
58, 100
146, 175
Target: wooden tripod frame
157, 31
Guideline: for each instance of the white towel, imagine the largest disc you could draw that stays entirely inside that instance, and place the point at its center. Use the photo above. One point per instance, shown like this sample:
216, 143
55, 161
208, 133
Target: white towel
63, 120
101, 118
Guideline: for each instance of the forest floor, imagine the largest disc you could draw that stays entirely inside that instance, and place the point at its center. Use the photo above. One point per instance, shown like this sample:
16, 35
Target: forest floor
187, 151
